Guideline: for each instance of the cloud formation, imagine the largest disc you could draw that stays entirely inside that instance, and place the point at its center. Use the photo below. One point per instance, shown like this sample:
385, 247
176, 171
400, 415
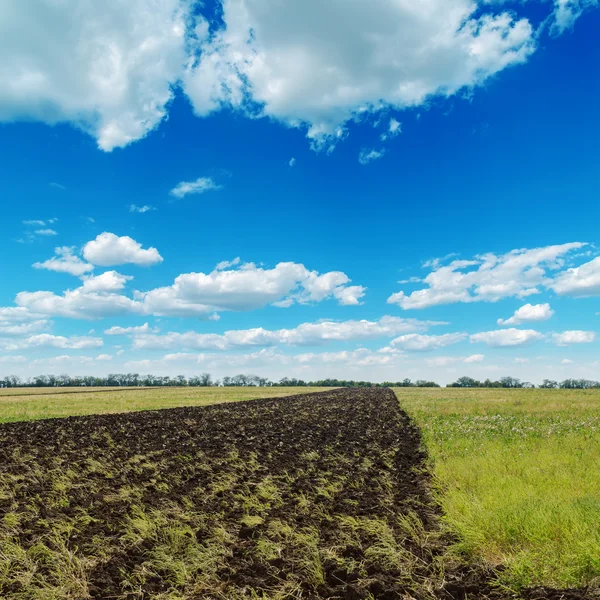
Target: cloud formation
199, 186
504, 338
65, 261
107, 68
489, 277
528, 312
277, 61
111, 69
305, 334
566, 338
109, 250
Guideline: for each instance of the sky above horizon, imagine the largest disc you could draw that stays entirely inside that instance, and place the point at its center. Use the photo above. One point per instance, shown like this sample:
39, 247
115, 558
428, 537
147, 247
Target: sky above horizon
361, 190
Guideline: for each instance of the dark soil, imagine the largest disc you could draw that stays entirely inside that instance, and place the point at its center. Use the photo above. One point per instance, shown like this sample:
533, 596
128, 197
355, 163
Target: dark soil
316, 496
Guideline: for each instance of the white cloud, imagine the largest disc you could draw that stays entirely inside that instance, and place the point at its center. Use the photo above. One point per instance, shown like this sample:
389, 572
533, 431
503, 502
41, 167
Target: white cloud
566, 12
243, 288
566, 361
502, 338
78, 304
580, 281
109, 281
110, 68
15, 314
108, 250
474, 358
248, 287
488, 278
225, 264
134, 208
368, 155
104, 357
45, 232
424, 343
292, 162
140, 329
394, 129
303, 335
201, 185
351, 62
46, 340
65, 261
23, 328
528, 312
106, 67
35, 223
566, 338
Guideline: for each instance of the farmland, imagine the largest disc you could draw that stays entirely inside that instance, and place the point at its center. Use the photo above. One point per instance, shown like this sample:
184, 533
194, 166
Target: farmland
325, 495
314, 496
518, 478
24, 404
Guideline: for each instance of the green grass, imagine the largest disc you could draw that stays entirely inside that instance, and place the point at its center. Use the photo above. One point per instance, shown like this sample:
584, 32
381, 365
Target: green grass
47, 403
519, 476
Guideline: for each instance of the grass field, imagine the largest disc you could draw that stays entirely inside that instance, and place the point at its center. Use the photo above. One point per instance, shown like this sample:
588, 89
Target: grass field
519, 476
26, 404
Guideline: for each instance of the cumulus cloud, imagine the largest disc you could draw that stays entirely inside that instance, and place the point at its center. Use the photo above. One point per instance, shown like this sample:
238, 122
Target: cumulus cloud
424, 343
45, 232
140, 329
109, 281
566, 338
46, 340
275, 59
248, 287
528, 312
20, 329
106, 67
80, 303
199, 186
15, 314
502, 338
580, 281
65, 261
241, 288
474, 358
488, 277
303, 335
110, 68
108, 250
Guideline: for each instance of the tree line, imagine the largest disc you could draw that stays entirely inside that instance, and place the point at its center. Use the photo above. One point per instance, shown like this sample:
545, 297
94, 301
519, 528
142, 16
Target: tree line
202, 380
512, 382
241, 380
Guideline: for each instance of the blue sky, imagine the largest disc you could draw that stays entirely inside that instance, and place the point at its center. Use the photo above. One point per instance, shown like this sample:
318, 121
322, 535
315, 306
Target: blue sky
379, 185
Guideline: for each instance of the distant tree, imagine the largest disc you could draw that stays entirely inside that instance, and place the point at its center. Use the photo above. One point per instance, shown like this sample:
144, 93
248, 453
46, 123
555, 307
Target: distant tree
465, 382
510, 382
549, 384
